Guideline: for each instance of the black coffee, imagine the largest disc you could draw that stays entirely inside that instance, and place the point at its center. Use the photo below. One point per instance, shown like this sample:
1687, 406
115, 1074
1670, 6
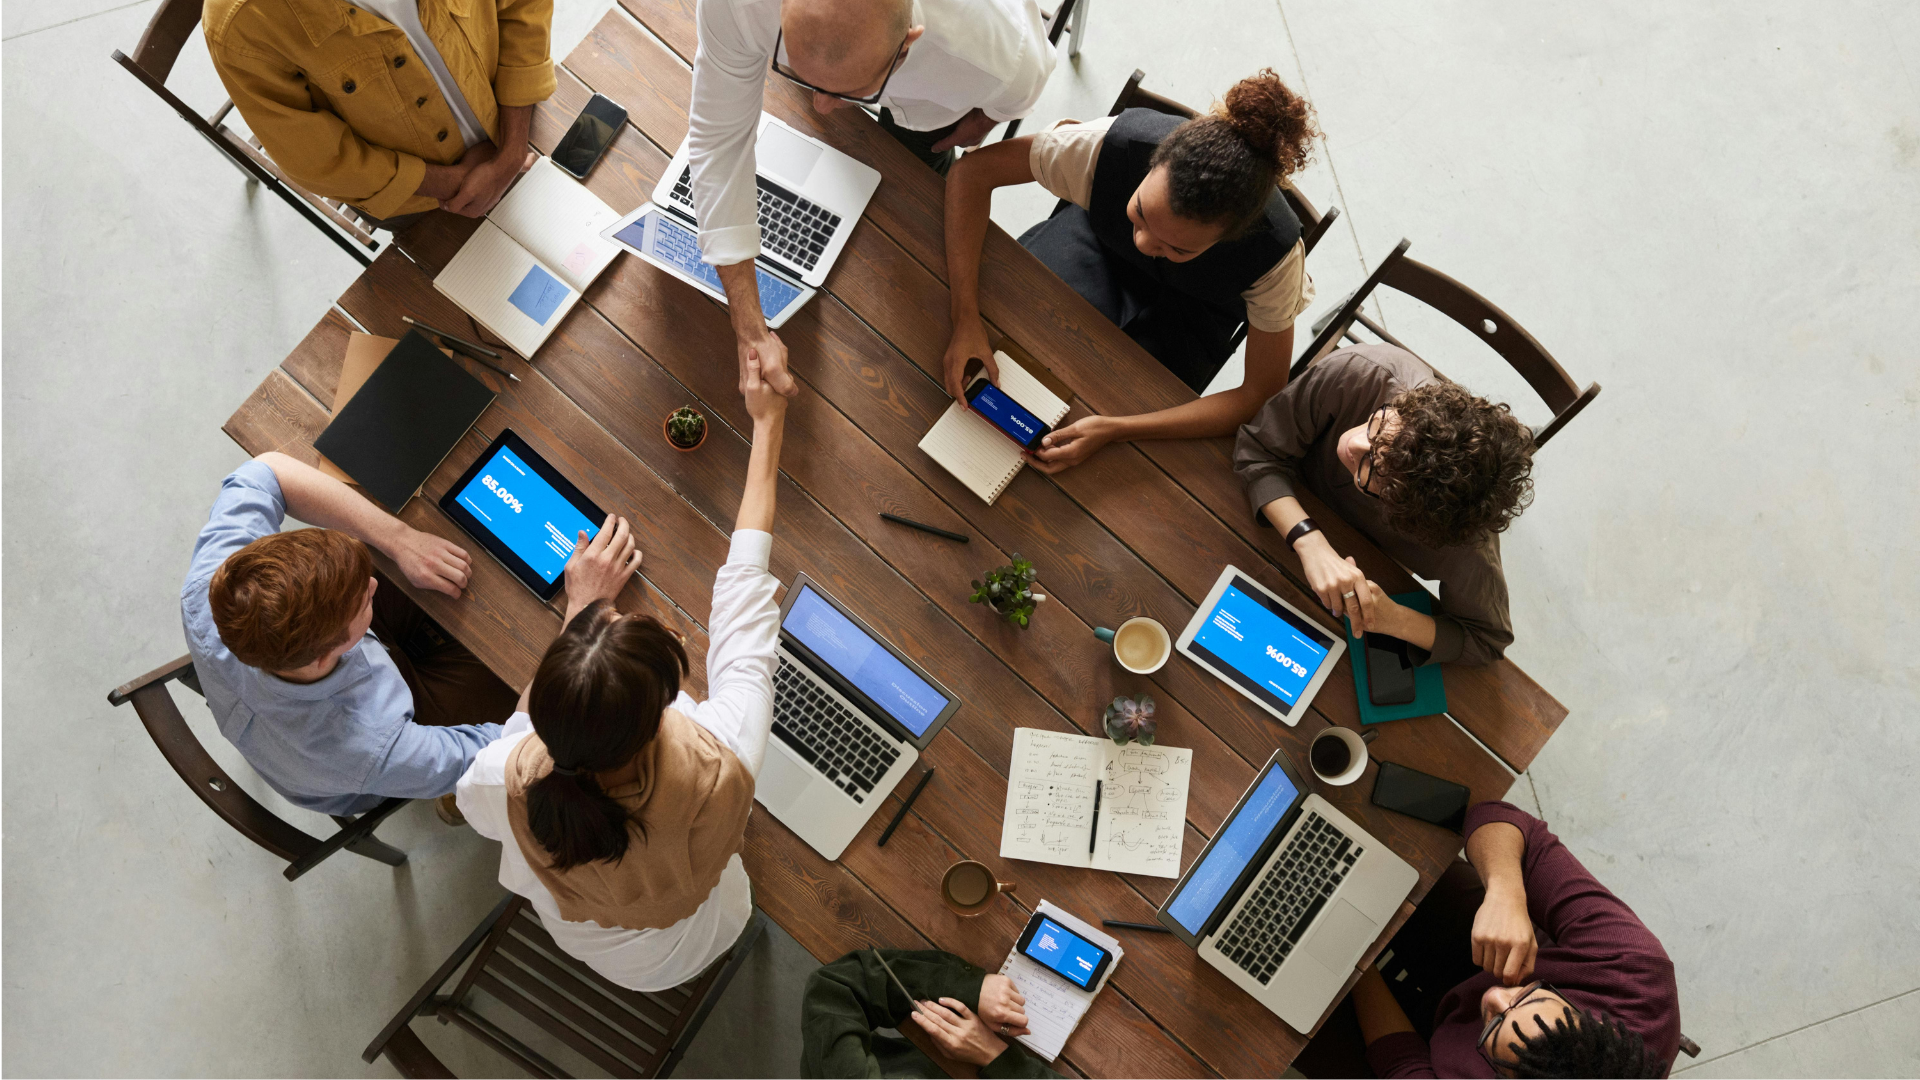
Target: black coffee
1331, 756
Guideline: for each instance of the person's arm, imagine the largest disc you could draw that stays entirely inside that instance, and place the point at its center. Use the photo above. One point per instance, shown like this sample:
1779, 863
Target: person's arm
969, 197
1393, 1047
847, 999
426, 762
484, 184
1503, 941
318, 499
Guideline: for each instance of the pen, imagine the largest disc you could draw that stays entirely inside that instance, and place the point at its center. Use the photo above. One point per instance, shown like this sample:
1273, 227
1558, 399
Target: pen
911, 524
904, 807
1094, 832
896, 979
477, 353
1125, 925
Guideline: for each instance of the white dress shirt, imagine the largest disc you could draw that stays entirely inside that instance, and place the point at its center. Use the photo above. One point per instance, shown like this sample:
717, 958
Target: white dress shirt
745, 630
991, 55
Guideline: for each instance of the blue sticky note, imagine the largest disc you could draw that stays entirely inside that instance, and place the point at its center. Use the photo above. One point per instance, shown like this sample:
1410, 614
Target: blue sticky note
538, 294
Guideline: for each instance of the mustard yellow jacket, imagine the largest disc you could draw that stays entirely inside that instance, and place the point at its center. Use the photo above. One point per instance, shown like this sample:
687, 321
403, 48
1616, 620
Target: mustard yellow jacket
342, 104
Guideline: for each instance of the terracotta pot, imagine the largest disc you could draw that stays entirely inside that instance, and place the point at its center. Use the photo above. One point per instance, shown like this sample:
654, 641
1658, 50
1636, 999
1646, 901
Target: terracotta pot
683, 449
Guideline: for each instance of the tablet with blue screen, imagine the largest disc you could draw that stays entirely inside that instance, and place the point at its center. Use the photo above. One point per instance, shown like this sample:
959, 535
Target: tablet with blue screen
1262, 646
523, 512
673, 245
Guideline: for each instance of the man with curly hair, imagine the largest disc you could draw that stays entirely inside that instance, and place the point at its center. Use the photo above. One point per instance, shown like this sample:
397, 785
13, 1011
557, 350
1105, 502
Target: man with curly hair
1430, 473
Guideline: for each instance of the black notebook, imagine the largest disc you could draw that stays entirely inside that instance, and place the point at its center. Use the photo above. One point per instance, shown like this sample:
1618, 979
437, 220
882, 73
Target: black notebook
412, 411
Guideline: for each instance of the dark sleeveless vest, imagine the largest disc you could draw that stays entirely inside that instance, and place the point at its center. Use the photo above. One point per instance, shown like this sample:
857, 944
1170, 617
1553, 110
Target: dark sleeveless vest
1222, 272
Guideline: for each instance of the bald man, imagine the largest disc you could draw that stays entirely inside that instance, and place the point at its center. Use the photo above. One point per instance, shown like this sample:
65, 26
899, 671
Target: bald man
943, 72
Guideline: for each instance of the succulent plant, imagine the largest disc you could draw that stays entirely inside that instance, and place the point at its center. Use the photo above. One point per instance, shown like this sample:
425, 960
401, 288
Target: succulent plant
1130, 719
1009, 591
685, 426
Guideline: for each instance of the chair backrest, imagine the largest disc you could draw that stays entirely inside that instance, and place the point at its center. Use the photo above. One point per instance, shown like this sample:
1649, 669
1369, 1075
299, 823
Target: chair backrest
166, 34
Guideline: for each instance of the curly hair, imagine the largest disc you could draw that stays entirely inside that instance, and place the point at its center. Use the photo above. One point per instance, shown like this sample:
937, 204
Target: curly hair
1458, 468
1595, 1046
1221, 166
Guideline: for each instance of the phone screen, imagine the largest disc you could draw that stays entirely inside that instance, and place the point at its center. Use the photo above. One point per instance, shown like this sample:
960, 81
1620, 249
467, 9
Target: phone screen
1064, 952
1008, 415
1389, 671
1416, 794
592, 132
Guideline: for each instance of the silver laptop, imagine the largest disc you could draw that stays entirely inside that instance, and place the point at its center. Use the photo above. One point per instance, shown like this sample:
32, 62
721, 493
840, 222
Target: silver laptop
850, 716
1287, 896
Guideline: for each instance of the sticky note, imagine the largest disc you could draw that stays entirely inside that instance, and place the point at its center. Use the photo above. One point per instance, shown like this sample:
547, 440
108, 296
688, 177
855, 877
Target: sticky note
538, 294
577, 260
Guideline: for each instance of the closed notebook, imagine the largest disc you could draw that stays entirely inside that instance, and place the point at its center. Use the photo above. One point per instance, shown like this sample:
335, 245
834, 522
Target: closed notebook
404, 420
527, 264
972, 449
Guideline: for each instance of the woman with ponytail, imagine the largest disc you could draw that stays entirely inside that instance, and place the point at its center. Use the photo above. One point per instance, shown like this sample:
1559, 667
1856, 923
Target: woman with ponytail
621, 803
1175, 230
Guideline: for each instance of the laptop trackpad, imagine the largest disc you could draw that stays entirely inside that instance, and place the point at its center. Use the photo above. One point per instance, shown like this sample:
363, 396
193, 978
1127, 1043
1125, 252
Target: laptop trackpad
1343, 934
786, 155
782, 785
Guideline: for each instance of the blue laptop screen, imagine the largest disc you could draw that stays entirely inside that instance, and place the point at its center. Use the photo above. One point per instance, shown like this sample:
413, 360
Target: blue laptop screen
677, 246
1239, 842
864, 662
524, 511
1261, 645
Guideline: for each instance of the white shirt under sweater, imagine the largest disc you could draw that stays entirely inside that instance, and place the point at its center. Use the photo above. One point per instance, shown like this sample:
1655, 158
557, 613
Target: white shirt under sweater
991, 55
744, 633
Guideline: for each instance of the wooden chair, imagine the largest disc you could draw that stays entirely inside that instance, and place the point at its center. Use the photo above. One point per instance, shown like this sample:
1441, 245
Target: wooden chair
1070, 18
152, 61
1472, 311
154, 702
626, 1032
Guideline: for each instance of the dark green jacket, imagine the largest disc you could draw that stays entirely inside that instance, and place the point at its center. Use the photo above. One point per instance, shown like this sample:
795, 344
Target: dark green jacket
847, 999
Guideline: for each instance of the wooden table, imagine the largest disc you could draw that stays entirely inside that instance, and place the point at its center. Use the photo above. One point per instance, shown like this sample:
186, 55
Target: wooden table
1140, 529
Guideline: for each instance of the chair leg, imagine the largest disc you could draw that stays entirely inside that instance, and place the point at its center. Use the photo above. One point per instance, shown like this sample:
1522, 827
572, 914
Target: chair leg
1077, 26
378, 850
356, 835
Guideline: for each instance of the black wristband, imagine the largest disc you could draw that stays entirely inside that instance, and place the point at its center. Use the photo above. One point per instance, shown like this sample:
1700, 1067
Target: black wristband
1301, 529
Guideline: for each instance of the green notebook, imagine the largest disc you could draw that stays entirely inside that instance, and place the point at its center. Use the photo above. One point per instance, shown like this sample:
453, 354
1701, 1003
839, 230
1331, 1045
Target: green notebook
1430, 691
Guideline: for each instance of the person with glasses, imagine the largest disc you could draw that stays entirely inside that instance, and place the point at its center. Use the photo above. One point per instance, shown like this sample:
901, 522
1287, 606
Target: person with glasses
942, 72
1426, 470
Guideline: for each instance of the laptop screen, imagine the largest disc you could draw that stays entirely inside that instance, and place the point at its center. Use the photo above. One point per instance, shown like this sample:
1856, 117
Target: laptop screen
1261, 645
1239, 842
838, 641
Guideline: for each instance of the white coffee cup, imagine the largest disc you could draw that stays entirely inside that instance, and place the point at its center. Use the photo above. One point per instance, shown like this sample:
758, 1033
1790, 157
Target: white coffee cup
1356, 745
1141, 645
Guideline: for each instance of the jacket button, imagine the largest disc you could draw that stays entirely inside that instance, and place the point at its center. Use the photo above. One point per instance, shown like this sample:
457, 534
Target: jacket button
399, 61
418, 102
442, 137
348, 86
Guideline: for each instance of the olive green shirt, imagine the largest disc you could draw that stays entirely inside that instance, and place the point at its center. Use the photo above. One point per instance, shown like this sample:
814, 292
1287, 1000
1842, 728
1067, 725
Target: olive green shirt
848, 999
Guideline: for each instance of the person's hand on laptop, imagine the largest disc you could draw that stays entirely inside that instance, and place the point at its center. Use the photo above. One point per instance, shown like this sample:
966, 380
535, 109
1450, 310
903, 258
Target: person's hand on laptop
968, 132
969, 342
958, 1032
1002, 1007
599, 568
430, 562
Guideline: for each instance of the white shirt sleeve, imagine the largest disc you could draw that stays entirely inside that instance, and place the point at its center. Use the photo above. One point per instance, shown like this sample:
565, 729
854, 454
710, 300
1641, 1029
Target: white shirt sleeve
729, 78
744, 634
1020, 91
481, 793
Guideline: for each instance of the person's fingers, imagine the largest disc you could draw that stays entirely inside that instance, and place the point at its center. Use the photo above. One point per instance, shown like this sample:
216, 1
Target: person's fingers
634, 560
528, 163
1018, 998
599, 539
958, 1006
1533, 953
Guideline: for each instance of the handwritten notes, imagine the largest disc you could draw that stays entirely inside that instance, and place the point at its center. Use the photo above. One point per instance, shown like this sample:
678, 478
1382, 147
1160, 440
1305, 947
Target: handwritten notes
1054, 1006
1050, 813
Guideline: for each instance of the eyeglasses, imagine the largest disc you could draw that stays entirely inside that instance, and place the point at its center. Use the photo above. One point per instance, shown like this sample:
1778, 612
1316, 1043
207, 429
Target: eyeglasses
1494, 1024
1363, 474
787, 73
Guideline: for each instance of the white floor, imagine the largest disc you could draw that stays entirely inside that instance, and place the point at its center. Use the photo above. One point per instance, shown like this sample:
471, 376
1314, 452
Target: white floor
1712, 209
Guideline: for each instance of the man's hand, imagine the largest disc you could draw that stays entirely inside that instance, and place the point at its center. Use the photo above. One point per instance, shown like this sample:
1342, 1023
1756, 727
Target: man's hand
968, 132
958, 1032
600, 567
1002, 1008
1503, 941
430, 562
1069, 446
767, 352
1339, 583
484, 185
969, 342
764, 404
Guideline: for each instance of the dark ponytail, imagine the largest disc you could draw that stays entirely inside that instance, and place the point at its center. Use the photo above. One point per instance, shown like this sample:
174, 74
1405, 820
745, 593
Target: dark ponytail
1221, 166
596, 701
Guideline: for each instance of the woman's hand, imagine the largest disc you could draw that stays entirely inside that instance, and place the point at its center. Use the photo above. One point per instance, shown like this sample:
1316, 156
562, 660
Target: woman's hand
958, 1032
599, 568
969, 342
765, 404
1503, 941
1073, 444
1339, 583
1002, 1007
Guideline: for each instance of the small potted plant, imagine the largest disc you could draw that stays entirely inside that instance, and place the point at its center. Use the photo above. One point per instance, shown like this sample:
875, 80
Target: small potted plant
1008, 590
1130, 719
684, 428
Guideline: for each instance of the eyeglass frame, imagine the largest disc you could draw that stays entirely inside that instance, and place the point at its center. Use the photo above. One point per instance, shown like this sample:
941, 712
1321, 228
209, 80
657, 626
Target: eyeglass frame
899, 58
1367, 464
1499, 1021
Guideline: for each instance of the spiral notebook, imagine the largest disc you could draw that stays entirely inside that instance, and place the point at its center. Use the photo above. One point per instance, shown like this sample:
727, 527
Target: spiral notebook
973, 450
1054, 1007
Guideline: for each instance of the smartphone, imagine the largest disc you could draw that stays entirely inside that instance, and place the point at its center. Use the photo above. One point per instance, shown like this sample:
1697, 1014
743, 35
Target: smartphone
1416, 794
1064, 952
1389, 671
592, 132
1006, 414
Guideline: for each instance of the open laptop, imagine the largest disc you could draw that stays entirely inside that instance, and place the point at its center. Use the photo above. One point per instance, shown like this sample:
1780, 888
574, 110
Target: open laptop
850, 716
1287, 896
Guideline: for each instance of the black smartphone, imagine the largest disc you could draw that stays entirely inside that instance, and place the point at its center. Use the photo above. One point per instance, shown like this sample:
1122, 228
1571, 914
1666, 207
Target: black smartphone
1006, 414
1389, 671
1416, 794
592, 132
1064, 952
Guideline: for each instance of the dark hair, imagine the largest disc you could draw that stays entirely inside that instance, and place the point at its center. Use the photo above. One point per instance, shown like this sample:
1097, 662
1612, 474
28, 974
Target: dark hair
284, 600
1595, 1046
596, 701
1458, 468
1222, 166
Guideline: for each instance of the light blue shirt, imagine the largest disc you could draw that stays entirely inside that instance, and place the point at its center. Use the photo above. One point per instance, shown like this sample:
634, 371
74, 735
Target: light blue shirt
336, 746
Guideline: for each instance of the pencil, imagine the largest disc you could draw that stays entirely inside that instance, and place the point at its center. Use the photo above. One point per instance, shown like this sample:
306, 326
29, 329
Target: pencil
912, 524
905, 806
477, 353
1125, 925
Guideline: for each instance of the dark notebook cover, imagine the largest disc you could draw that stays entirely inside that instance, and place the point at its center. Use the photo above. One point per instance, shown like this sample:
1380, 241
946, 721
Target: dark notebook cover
413, 410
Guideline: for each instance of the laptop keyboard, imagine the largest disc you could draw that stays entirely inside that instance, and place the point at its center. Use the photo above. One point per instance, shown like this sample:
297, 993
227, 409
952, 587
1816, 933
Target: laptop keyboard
842, 746
1285, 901
796, 228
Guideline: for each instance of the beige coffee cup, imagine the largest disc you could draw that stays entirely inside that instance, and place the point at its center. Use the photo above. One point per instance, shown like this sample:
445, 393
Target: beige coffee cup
1141, 645
968, 887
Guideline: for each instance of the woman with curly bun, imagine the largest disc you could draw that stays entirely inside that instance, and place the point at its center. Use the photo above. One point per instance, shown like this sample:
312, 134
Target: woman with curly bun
1429, 472
1176, 230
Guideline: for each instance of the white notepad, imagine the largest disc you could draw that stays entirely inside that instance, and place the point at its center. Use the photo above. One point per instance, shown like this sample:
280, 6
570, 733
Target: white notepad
533, 256
1054, 1006
971, 448
1050, 803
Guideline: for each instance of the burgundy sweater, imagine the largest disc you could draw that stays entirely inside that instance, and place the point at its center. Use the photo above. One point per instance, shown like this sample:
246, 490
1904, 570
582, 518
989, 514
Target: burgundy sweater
1602, 960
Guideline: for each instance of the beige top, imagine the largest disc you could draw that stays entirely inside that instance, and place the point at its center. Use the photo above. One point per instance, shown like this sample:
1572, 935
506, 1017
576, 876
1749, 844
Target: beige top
1063, 158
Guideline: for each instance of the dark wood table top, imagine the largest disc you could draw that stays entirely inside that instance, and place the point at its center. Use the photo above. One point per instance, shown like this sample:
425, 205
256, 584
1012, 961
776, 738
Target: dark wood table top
1138, 529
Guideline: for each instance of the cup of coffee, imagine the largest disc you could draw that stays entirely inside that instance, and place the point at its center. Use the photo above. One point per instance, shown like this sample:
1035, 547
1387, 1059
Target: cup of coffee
1141, 645
1339, 755
969, 887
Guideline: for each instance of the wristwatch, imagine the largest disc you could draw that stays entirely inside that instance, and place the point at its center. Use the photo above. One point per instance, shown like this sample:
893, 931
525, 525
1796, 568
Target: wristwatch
1305, 526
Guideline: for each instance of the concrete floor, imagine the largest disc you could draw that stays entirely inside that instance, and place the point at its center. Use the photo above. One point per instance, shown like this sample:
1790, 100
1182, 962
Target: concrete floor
1710, 209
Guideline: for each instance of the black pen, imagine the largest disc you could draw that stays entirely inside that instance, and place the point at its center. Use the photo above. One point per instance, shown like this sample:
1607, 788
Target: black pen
1094, 833
912, 524
476, 353
906, 806
1125, 925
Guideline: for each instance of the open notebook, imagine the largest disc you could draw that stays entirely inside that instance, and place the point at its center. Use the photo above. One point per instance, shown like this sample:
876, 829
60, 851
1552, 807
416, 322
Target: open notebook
1052, 810
532, 257
1054, 1006
972, 449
